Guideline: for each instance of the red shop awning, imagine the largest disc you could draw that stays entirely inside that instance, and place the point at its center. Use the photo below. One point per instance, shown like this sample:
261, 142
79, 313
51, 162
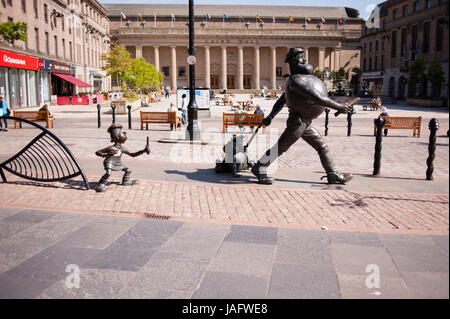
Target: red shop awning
73, 80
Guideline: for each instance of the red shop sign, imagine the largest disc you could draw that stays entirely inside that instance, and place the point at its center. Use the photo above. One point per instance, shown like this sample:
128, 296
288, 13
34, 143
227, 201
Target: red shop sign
18, 61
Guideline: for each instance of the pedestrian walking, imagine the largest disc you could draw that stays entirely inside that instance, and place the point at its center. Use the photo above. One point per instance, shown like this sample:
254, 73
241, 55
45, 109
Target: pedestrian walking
184, 109
4, 111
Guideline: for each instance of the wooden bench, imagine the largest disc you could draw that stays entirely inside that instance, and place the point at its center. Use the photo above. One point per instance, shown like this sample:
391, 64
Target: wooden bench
241, 119
402, 123
161, 118
34, 116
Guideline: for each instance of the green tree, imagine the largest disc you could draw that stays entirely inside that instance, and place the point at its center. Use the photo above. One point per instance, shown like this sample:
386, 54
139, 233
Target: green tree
436, 76
13, 31
417, 74
117, 63
319, 74
143, 76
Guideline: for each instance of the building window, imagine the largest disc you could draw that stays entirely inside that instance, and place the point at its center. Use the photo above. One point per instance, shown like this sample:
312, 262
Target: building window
64, 49
182, 71
365, 48
394, 44
24, 6
10, 19
56, 45
403, 43
70, 51
439, 34
10, 3
47, 44
382, 45
405, 10
36, 39
382, 62
279, 71
376, 63
395, 14
376, 46
35, 8
370, 47
166, 70
62, 23
370, 64
45, 13
426, 37
428, 4
415, 43
416, 6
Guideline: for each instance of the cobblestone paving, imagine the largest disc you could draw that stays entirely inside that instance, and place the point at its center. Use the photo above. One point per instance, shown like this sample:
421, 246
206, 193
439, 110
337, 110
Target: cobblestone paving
249, 204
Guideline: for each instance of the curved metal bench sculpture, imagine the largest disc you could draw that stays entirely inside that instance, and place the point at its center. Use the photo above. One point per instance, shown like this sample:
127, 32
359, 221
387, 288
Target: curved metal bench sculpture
45, 159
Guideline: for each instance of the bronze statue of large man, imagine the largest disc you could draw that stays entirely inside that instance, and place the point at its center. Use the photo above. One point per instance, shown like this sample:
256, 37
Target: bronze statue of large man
306, 97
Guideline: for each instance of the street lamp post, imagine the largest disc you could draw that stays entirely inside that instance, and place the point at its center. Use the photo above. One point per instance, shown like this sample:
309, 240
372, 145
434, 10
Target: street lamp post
193, 131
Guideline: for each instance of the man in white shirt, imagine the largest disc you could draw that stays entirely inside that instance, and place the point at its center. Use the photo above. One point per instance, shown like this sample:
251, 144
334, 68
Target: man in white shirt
172, 108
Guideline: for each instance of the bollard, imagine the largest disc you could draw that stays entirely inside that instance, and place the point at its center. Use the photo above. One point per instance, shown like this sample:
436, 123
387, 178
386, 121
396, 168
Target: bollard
349, 123
327, 112
113, 113
99, 121
129, 116
379, 123
433, 125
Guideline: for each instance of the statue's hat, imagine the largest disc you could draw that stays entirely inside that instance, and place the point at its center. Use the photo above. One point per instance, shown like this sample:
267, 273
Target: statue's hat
292, 53
114, 126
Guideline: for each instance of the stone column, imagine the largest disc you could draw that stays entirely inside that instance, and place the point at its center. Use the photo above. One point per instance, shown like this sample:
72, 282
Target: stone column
138, 52
257, 71
321, 58
223, 75
337, 59
306, 54
273, 73
240, 68
207, 68
332, 59
156, 51
173, 71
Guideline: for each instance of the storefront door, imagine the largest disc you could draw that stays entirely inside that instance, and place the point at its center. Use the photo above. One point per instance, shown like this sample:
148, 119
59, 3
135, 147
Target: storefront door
230, 82
15, 89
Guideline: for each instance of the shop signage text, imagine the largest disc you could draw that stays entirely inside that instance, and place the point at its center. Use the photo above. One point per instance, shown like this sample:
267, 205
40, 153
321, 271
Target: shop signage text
18, 61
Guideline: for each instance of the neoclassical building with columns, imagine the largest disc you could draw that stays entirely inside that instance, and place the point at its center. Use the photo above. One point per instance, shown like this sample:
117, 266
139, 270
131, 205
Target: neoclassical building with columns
235, 49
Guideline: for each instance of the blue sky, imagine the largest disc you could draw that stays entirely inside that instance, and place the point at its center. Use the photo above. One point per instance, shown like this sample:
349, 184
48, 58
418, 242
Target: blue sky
361, 5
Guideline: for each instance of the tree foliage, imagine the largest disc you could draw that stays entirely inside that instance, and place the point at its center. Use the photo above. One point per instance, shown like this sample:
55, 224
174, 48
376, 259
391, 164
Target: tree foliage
436, 76
13, 31
144, 76
118, 63
319, 74
417, 74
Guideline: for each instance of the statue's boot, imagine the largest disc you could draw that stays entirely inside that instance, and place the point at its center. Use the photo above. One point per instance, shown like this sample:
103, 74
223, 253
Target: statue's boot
338, 178
100, 188
261, 173
126, 181
333, 176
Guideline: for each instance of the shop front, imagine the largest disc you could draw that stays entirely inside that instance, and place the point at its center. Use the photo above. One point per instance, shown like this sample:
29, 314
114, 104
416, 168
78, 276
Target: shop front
64, 83
372, 82
19, 79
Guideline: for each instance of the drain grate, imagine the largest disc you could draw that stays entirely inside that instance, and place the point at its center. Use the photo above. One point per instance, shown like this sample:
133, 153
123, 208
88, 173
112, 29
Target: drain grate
154, 216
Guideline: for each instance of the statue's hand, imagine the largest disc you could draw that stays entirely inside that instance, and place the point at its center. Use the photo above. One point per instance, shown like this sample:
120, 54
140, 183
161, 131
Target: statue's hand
266, 121
345, 108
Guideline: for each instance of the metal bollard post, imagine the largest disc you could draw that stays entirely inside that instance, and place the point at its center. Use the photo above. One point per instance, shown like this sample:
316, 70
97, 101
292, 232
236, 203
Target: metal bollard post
99, 121
379, 123
327, 112
349, 123
129, 116
433, 125
113, 113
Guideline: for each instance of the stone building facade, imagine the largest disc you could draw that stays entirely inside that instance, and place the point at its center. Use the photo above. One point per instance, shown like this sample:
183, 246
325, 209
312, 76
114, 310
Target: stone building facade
235, 49
407, 30
70, 35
